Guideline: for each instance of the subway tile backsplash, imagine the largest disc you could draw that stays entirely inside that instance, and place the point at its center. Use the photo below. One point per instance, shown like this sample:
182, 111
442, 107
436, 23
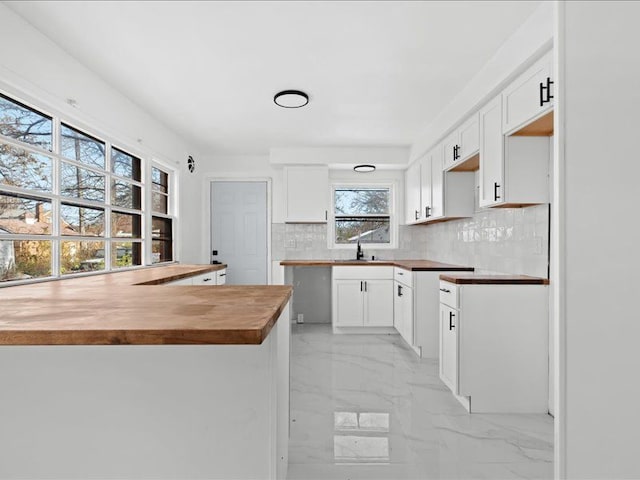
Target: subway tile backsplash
504, 240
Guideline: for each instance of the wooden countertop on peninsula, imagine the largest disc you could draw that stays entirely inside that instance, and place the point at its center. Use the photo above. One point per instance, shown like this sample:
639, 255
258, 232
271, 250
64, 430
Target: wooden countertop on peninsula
413, 265
473, 279
134, 308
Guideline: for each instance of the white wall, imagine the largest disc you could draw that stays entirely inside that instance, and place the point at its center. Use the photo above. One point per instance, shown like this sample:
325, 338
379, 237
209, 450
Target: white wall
35, 69
598, 283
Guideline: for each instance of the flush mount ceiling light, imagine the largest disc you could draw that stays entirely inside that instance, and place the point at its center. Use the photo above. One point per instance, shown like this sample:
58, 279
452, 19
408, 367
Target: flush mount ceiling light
291, 99
364, 168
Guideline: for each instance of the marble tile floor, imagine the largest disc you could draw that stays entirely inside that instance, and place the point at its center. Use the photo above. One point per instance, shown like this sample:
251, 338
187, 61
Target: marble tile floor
366, 407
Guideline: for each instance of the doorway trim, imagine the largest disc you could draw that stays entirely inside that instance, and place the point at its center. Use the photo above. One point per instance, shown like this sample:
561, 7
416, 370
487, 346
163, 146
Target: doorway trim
206, 212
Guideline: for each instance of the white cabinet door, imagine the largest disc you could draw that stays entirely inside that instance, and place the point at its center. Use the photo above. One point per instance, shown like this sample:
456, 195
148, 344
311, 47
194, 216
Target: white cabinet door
529, 96
469, 138
221, 277
449, 347
378, 303
491, 154
348, 301
407, 312
307, 190
450, 150
182, 281
437, 184
403, 312
398, 304
425, 187
412, 192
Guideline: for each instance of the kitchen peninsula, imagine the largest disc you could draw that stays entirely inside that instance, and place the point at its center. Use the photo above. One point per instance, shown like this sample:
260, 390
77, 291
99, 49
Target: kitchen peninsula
123, 375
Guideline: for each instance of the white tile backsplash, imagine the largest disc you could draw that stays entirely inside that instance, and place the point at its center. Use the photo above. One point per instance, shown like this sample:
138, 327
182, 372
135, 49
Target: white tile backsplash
505, 240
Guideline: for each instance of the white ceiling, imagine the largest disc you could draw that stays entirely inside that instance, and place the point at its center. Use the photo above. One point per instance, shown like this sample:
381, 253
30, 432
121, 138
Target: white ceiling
376, 72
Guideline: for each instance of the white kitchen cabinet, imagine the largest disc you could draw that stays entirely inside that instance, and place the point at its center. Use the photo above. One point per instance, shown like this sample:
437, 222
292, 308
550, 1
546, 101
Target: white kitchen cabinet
378, 301
403, 312
426, 185
216, 277
349, 303
462, 143
514, 171
452, 194
449, 347
362, 298
469, 138
208, 278
491, 153
413, 190
494, 349
416, 308
444, 195
529, 96
450, 149
307, 194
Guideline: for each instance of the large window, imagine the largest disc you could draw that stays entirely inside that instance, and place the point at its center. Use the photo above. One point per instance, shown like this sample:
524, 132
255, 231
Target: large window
364, 214
71, 202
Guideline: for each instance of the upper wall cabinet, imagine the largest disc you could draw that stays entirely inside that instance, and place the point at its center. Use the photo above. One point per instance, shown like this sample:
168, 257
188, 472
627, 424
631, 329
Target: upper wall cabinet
436, 195
413, 191
514, 171
307, 194
462, 144
529, 96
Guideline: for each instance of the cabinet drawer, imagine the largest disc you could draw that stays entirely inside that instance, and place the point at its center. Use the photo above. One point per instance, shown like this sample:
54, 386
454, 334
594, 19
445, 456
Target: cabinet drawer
403, 276
449, 294
221, 277
364, 272
208, 278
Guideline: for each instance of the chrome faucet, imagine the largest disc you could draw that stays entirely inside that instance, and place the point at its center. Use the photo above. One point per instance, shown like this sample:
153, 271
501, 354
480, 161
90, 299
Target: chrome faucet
359, 252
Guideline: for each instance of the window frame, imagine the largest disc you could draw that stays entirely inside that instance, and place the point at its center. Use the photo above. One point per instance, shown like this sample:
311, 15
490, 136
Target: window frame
55, 197
393, 225
171, 209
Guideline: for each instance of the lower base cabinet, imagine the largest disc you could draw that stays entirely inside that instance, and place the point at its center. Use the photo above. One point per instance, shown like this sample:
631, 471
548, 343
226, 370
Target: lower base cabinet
403, 312
449, 347
494, 349
217, 277
362, 297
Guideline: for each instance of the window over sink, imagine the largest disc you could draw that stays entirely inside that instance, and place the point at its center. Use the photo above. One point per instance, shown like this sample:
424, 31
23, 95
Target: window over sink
362, 213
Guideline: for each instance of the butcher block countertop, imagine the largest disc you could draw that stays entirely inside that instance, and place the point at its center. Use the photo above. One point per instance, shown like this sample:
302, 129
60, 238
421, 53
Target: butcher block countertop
462, 279
133, 307
413, 265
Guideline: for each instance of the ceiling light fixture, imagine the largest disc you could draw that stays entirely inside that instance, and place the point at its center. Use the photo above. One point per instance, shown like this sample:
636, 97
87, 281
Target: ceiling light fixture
291, 99
364, 168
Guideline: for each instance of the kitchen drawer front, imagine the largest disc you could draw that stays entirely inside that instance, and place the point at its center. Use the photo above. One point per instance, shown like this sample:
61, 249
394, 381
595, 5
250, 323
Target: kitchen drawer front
208, 278
449, 294
221, 277
403, 276
364, 272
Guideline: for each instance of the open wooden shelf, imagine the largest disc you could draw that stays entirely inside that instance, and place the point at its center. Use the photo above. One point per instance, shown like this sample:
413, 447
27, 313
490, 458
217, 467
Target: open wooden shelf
542, 127
471, 164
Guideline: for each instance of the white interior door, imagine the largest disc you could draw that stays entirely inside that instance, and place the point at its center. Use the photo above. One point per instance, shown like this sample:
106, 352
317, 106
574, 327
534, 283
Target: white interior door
239, 230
